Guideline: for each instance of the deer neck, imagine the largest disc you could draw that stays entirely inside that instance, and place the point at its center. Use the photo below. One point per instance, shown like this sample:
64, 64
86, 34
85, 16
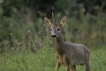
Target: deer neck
59, 44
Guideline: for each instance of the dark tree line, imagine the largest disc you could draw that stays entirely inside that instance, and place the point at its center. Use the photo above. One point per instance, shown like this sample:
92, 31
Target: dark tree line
45, 7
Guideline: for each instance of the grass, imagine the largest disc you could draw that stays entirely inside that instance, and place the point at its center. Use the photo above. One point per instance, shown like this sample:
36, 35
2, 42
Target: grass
44, 60
28, 61
34, 35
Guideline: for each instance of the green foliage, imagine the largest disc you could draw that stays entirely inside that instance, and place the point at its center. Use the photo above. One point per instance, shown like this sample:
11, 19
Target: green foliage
21, 27
34, 51
44, 60
13, 6
43, 8
22, 61
63, 4
25, 42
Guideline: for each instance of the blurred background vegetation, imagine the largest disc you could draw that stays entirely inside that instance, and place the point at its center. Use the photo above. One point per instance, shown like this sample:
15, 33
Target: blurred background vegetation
23, 30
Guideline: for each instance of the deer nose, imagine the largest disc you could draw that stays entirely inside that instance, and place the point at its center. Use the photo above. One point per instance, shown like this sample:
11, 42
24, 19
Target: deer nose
53, 36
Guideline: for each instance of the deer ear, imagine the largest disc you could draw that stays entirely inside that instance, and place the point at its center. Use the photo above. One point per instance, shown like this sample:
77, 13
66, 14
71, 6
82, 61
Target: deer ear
63, 21
47, 21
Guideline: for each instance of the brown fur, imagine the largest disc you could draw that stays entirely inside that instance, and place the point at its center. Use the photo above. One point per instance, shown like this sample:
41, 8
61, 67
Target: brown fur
67, 53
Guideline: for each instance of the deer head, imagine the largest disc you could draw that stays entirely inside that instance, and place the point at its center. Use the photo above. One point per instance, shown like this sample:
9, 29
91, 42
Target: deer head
56, 26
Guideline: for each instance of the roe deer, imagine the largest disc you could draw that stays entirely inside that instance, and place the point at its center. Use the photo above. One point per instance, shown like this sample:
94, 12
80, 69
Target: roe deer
67, 53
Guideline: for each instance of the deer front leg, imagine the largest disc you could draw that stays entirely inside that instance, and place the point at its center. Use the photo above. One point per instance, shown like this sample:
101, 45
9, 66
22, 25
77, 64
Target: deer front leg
57, 66
74, 67
67, 68
71, 69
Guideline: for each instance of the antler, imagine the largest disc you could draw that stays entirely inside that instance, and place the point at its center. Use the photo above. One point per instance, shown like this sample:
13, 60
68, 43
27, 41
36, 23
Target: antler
58, 17
57, 20
53, 17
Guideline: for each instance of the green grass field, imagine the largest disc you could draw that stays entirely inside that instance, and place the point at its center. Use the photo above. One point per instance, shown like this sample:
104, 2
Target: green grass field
16, 57
44, 60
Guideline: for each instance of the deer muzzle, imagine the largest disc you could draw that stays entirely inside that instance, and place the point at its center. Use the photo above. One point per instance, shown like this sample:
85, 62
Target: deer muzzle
53, 36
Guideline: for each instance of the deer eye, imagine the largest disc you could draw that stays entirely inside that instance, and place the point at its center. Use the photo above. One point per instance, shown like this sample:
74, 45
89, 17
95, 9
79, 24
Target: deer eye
58, 29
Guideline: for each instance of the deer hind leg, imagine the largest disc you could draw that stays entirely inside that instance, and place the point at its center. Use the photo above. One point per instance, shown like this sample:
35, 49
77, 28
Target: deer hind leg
87, 64
57, 66
87, 57
88, 67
